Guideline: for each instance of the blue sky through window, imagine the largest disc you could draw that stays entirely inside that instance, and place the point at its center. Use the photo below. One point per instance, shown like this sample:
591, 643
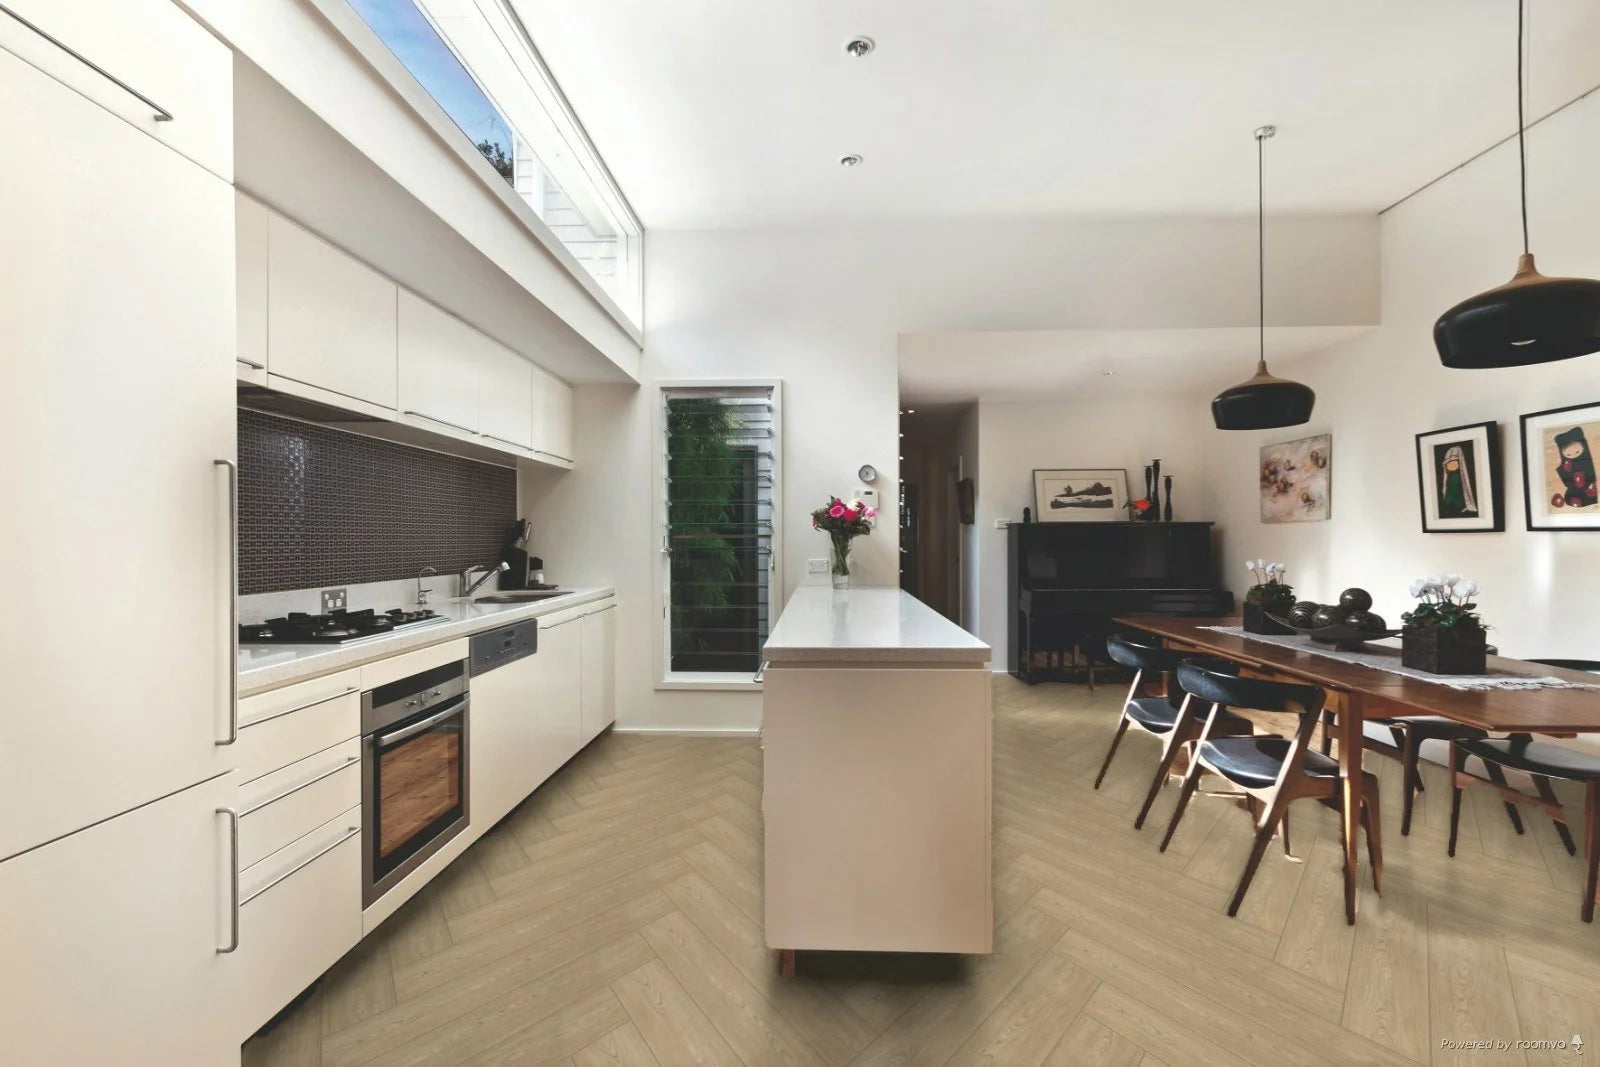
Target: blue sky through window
409, 36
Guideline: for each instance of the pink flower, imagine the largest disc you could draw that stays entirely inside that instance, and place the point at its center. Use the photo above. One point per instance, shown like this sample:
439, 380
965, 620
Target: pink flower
837, 511
872, 513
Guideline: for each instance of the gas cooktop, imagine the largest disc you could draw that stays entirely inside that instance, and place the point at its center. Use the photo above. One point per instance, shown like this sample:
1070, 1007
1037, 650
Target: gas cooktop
335, 628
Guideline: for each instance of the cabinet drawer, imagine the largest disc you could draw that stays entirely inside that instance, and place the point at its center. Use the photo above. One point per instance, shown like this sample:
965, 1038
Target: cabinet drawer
286, 725
154, 50
301, 912
283, 806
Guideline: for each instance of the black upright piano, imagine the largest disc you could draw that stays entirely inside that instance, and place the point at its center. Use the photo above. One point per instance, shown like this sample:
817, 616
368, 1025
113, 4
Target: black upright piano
1068, 579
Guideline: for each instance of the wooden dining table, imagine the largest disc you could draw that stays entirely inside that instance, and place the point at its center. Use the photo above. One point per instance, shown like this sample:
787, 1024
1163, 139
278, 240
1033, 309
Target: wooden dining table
1357, 692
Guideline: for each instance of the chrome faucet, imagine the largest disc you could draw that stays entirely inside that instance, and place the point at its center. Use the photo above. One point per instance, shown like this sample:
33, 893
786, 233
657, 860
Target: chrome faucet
422, 594
468, 586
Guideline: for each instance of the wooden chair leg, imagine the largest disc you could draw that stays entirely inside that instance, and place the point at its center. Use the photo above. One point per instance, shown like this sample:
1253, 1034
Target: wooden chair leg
1327, 733
1191, 782
1591, 839
1371, 822
1410, 774
1457, 760
1162, 770
1498, 777
1264, 831
1122, 728
1542, 784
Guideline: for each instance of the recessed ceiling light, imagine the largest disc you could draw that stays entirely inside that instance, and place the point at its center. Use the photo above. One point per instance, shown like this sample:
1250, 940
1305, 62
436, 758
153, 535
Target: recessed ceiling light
851, 160
860, 46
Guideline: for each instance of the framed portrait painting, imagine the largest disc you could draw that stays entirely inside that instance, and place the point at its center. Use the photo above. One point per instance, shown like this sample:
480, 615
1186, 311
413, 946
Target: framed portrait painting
1458, 479
1558, 469
1080, 495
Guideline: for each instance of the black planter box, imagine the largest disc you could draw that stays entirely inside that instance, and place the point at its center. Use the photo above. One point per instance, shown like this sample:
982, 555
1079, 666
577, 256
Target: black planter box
1257, 622
1443, 651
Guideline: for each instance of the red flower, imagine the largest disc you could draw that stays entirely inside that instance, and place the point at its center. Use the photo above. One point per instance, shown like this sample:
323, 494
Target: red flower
1558, 500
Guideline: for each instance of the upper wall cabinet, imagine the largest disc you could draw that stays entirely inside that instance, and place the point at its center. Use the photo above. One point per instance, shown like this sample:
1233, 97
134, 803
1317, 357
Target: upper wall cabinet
505, 396
159, 71
552, 418
439, 360
330, 319
251, 286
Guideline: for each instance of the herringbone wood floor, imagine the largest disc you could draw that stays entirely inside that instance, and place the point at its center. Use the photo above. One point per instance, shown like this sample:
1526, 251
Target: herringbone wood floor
615, 918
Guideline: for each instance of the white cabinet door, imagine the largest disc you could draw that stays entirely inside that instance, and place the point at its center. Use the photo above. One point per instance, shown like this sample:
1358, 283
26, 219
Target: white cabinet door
558, 704
116, 402
552, 416
505, 396
439, 360
251, 354
156, 51
330, 319
506, 760
110, 939
599, 670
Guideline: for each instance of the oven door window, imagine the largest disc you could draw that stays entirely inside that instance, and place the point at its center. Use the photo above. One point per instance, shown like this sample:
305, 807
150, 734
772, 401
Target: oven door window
419, 784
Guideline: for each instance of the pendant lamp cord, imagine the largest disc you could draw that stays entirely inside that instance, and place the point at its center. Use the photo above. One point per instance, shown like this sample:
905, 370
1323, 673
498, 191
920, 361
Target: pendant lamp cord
1522, 137
1261, 246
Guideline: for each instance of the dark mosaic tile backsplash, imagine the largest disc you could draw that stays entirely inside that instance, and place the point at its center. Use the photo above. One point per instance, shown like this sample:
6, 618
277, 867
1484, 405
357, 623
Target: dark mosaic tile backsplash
320, 507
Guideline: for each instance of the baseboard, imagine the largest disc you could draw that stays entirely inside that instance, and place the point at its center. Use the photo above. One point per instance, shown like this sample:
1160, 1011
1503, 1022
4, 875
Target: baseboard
680, 731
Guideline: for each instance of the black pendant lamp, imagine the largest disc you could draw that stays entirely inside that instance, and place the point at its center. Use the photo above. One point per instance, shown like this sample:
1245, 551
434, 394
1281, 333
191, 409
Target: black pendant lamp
1263, 402
1530, 319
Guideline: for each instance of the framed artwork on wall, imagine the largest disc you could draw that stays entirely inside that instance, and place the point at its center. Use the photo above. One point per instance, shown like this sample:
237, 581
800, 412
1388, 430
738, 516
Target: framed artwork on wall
1458, 479
1297, 480
1558, 474
1080, 495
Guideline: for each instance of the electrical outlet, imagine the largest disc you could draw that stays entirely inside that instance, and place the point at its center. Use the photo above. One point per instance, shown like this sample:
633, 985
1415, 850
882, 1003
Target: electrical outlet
816, 566
333, 600
1001, 524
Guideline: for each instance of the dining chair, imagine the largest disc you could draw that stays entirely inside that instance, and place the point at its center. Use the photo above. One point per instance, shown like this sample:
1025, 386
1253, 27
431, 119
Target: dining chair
1543, 761
1271, 771
1172, 716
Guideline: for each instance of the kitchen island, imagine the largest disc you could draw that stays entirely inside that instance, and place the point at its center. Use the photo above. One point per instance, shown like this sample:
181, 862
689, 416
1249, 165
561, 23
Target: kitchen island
876, 788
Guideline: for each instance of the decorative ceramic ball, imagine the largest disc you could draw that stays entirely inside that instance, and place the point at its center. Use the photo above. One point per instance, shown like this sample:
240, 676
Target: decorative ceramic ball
1300, 614
1327, 615
1355, 600
1365, 621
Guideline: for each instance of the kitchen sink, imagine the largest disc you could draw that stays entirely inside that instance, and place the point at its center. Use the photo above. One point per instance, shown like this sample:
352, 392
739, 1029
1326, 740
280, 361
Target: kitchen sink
520, 596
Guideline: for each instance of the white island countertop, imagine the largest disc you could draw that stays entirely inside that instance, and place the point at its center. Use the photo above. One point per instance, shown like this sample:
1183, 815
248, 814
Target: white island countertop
263, 667
867, 625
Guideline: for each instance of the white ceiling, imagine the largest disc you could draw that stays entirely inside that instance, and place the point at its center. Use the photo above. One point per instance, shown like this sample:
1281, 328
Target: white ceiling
938, 368
734, 113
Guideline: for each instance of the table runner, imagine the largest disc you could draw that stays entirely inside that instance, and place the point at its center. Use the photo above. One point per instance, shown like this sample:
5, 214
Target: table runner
1388, 659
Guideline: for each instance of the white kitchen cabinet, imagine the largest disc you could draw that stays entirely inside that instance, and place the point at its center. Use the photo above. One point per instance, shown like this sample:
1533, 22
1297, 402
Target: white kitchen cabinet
250, 357
552, 417
558, 707
439, 360
599, 669
110, 939
152, 47
506, 739
330, 318
116, 407
505, 397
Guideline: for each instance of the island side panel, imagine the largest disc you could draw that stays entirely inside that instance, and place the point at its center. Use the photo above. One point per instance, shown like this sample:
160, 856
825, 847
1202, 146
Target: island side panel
877, 798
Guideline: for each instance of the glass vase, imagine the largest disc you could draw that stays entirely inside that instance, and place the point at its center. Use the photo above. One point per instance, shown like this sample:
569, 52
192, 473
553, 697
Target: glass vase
839, 564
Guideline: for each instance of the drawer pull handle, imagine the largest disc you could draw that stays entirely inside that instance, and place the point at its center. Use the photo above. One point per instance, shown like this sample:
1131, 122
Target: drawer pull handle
162, 114
346, 691
292, 790
350, 831
444, 422
233, 879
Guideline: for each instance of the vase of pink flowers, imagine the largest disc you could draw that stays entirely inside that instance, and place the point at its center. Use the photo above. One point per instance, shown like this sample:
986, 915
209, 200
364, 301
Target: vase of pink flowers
843, 522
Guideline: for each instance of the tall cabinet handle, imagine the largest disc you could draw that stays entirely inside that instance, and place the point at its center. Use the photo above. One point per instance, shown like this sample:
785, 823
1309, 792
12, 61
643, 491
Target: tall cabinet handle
233, 878
231, 668
162, 114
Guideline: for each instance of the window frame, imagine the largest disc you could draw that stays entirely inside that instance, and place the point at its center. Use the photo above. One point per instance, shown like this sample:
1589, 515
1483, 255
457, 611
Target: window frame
665, 677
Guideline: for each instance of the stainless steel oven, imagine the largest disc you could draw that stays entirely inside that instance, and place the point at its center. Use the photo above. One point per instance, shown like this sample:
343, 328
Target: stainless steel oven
414, 785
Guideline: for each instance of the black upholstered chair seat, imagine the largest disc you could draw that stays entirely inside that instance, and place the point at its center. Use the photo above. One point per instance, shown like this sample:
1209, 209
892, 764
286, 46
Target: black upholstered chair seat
1535, 757
1157, 715
1254, 762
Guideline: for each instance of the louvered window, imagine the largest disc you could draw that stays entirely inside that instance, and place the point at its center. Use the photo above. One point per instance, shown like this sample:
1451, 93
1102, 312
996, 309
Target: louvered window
719, 537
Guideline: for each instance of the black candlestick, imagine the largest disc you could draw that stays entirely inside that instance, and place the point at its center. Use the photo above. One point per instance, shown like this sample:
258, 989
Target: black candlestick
1167, 517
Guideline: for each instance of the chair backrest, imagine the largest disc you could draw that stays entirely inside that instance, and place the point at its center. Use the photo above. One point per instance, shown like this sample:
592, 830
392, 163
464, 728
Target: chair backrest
1143, 657
1256, 694
1590, 665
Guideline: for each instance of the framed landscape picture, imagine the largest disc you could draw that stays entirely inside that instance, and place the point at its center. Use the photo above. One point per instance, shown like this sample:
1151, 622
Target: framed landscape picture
1297, 480
1080, 495
1458, 479
1558, 473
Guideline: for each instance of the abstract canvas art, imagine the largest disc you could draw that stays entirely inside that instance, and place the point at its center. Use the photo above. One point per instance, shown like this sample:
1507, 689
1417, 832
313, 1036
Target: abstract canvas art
1297, 480
1558, 471
1080, 495
1458, 479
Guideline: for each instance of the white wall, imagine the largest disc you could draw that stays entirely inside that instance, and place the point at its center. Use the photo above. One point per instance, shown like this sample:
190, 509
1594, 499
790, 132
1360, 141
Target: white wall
1116, 430
1452, 240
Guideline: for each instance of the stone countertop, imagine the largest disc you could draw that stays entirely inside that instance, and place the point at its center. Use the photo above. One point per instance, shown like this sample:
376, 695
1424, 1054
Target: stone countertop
873, 624
263, 667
